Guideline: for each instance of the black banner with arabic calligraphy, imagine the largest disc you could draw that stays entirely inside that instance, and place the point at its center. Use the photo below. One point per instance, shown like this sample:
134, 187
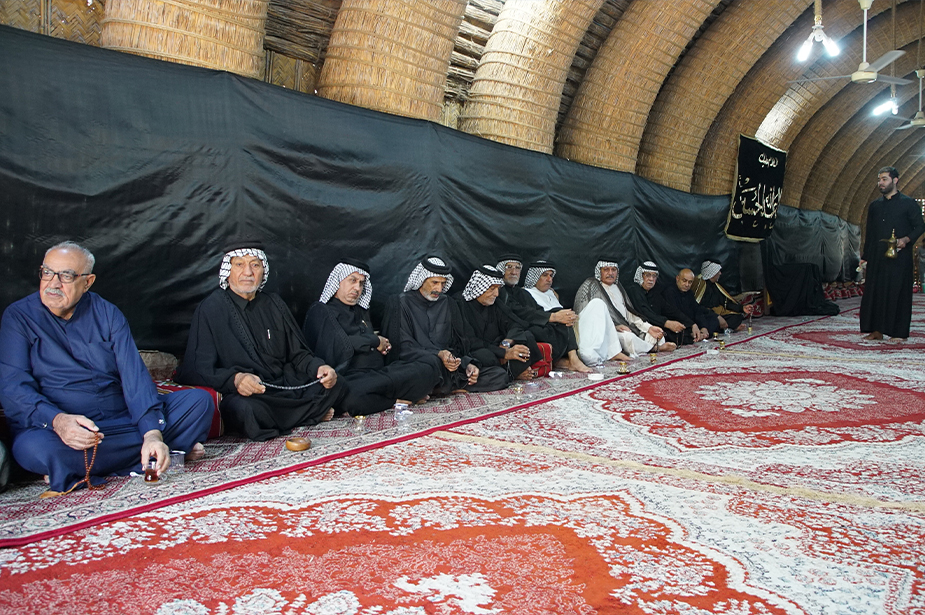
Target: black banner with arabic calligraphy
759, 182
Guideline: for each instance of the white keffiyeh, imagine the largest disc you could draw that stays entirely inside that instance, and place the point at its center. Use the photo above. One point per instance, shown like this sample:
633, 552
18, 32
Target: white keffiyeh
421, 273
226, 265
601, 264
708, 269
535, 272
646, 267
338, 275
482, 279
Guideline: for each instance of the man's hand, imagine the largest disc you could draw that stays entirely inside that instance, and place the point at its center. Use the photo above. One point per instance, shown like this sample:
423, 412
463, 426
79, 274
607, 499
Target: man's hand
902, 242
153, 446
384, 345
748, 309
518, 352
722, 323
328, 376
76, 430
656, 332
565, 317
674, 325
449, 361
472, 372
623, 328
248, 384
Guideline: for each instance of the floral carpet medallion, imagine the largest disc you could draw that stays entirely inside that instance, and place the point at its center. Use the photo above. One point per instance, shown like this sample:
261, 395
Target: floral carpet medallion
441, 554
751, 406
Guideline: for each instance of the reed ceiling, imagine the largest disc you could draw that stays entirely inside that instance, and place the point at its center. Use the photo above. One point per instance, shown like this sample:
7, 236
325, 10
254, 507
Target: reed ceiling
657, 88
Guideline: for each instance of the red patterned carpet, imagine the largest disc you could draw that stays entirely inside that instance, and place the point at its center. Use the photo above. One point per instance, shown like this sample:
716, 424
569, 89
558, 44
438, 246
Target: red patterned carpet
783, 475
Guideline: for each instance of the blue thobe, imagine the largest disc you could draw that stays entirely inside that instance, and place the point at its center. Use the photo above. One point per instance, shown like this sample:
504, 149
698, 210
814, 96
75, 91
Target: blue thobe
86, 365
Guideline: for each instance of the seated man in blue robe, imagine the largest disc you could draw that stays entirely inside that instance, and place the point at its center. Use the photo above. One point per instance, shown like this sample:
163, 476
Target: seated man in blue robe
245, 344
339, 329
75, 389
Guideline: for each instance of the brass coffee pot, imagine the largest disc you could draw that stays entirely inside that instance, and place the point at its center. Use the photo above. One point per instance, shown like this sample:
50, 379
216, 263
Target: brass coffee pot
891, 250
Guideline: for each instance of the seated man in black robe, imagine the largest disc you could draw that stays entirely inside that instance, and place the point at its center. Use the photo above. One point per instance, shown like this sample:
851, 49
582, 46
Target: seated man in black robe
245, 344
494, 339
646, 295
339, 329
424, 325
699, 322
553, 326
710, 294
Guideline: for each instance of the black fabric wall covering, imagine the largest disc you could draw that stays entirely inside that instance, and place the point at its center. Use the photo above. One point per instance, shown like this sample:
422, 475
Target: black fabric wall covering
153, 166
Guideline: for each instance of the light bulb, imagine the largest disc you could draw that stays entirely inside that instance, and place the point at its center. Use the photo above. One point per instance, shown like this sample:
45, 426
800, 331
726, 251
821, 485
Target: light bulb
807, 46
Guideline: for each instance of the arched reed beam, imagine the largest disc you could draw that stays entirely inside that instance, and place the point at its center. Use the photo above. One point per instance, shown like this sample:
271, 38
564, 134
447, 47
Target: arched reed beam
801, 100
908, 167
913, 187
811, 159
857, 177
699, 86
392, 55
217, 34
517, 89
608, 115
871, 153
758, 92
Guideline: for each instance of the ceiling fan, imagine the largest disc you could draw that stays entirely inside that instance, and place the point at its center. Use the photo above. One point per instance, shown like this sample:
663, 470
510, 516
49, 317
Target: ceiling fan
868, 73
918, 120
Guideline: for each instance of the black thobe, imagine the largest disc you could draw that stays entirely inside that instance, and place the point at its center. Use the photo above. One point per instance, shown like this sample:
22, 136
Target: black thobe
887, 302
487, 327
520, 306
343, 336
231, 335
655, 310
715, 299
689, 313
419, 329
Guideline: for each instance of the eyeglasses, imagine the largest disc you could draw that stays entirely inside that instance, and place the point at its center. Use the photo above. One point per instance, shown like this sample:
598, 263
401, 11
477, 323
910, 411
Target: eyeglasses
66, 277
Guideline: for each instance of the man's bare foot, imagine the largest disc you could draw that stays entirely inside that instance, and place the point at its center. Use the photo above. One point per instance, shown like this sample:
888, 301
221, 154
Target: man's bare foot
328, 415
45, 478
422, 401
874, 335
198, 452
572, 364
620, 357
404, 401
527, 374
897, 340
668, 347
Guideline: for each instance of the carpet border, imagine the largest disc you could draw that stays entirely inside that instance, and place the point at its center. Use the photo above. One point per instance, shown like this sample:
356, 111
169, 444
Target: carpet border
18, 542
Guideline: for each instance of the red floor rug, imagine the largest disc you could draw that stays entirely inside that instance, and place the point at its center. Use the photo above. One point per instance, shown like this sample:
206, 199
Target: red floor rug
231, 462
782, 475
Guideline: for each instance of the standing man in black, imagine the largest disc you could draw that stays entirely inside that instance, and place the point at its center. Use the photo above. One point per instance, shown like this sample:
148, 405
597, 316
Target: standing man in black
886, 307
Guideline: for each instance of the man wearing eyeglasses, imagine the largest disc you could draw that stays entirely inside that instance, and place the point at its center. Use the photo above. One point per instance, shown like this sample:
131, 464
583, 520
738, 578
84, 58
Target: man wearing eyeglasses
75, 389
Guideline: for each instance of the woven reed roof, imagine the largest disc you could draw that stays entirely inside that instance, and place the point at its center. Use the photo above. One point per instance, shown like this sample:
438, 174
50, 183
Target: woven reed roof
658, 88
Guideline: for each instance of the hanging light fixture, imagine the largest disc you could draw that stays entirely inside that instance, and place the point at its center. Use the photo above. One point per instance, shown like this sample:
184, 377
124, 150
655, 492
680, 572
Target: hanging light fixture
891, 105
817, 35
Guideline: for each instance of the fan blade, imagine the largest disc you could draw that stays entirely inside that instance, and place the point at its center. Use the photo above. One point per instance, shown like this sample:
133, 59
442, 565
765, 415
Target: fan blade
904, 127
885, 60
893, 80
819, 79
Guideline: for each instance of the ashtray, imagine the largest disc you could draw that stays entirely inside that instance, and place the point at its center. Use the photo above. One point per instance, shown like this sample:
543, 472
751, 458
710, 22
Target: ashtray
298, 444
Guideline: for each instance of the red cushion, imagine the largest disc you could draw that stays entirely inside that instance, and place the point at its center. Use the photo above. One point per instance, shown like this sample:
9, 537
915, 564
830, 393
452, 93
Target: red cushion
217, 428
544, 365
